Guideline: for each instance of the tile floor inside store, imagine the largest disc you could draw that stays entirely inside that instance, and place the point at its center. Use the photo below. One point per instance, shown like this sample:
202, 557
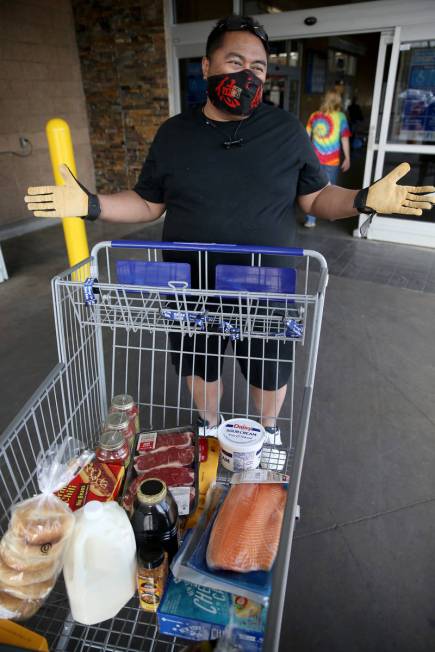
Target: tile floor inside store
362, 576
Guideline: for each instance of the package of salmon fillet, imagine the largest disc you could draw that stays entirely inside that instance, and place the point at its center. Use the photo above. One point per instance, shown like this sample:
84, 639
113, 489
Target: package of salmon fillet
245, 535
235, 546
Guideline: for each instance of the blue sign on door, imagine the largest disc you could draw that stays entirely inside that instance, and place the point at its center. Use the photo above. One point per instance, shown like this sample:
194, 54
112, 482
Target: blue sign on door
418, 100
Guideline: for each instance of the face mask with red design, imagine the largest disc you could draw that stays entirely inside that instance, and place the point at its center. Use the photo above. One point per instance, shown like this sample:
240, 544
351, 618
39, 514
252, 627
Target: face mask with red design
238, 93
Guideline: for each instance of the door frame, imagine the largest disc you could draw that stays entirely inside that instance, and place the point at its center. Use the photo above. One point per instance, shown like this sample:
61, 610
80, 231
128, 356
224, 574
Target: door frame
392, 229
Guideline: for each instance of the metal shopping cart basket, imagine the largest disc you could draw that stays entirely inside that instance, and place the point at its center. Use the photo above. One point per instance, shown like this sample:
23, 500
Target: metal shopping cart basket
122, 318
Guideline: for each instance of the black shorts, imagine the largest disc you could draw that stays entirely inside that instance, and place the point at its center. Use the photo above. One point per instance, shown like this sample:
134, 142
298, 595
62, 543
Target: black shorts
266, 364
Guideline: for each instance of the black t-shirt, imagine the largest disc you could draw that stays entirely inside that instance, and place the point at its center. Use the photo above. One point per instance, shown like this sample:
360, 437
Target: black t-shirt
241, 195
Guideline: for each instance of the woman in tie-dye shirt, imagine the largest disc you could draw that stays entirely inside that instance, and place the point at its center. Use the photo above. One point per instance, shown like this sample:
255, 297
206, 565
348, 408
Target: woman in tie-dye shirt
328, 129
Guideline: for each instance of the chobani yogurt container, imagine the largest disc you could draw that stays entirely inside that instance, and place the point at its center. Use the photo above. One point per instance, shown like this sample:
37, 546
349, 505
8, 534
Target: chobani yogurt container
241, 441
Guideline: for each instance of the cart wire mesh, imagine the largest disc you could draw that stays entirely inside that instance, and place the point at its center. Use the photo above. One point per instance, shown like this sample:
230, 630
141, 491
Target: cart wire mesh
124, 337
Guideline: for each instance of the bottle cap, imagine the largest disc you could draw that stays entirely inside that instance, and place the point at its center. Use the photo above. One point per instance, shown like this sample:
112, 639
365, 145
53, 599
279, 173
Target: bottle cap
151, 555
93, 509
151, 491
122, 402
111, 440
117, 421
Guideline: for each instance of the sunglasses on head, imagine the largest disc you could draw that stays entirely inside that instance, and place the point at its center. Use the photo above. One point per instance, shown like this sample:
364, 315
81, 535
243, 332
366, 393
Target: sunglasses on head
238, 24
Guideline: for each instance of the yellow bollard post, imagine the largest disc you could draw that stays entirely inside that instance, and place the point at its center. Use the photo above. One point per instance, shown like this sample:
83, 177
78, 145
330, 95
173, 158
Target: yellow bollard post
61, 151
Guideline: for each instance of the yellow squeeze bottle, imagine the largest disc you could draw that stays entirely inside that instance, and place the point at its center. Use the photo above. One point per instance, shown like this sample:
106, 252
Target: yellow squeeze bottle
207, 475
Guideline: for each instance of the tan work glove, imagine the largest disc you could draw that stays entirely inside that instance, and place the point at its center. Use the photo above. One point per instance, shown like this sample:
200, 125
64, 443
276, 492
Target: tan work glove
385, 197
69, 200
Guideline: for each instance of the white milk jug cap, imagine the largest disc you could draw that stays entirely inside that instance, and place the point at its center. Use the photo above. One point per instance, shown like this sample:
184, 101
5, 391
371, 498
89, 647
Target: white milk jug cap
93, 509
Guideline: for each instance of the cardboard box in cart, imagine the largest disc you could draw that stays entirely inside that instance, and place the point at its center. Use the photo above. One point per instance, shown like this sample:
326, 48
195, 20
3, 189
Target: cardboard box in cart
199, 613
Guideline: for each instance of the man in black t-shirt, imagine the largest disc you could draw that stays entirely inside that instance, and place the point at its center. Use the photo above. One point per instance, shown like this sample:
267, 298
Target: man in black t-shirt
231, 172
241, 192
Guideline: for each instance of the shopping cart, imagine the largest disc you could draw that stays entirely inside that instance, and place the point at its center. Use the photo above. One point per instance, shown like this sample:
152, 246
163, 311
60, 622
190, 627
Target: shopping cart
115, 334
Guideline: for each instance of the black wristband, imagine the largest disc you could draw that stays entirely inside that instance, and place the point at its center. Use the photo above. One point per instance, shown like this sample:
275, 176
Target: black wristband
360, 202
94, 208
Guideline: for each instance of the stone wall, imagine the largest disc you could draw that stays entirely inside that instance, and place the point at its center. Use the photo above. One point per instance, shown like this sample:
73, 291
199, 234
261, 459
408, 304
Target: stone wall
122, 53
39, 79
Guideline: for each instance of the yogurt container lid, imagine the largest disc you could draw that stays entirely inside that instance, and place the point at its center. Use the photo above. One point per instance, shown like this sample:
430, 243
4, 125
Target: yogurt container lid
241, 435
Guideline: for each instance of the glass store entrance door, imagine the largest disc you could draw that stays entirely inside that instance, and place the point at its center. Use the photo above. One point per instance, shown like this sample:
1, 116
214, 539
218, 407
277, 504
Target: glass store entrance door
402, 128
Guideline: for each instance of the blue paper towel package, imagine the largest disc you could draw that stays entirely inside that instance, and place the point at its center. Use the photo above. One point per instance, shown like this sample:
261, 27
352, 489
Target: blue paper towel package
199, 613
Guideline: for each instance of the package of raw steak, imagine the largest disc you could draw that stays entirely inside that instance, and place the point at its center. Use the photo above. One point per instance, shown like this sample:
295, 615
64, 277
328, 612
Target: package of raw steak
171, 456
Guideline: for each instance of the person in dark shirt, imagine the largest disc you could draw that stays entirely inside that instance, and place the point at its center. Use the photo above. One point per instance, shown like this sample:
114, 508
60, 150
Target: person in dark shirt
354, 112
356, 118
231, 172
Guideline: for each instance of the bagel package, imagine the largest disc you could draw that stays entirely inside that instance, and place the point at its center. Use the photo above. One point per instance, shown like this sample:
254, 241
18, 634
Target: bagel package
31, 550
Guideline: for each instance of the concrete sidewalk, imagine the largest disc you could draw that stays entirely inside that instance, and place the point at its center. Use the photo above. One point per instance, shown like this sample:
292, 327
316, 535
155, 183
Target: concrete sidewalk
363, 569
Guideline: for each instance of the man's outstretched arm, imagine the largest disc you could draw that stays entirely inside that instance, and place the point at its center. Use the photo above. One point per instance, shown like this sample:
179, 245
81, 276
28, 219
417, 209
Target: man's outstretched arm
384, 197
330, 203
73, 199
128, 206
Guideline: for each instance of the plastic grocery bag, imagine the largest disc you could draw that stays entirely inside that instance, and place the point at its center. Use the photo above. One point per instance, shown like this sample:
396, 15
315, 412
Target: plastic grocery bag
245, 629
31, 551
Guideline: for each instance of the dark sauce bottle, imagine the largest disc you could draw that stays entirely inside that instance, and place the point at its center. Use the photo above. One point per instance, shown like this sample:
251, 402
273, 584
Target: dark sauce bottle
155, 516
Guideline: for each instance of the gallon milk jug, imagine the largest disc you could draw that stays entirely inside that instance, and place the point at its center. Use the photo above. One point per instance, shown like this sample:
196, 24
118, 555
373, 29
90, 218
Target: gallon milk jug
100, 562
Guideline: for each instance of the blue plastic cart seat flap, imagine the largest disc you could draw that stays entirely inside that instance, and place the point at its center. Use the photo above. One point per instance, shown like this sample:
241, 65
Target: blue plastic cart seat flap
276, 280
155, 274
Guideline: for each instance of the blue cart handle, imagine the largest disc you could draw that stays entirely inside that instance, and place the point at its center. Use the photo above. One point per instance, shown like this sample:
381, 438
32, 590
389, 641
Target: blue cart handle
211, 247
